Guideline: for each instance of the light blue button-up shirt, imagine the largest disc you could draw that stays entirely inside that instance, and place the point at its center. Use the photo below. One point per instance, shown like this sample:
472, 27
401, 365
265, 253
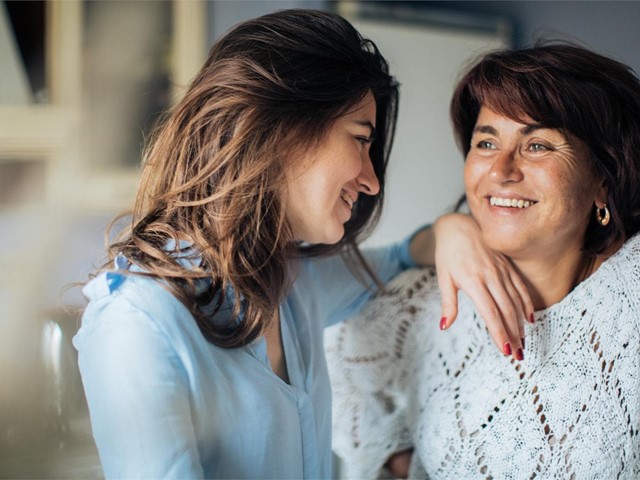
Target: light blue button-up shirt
166, 403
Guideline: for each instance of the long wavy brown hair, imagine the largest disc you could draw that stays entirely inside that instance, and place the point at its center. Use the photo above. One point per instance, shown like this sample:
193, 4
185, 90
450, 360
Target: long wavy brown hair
214, 171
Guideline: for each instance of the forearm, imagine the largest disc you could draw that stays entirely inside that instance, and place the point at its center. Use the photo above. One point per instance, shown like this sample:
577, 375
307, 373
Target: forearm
423, 246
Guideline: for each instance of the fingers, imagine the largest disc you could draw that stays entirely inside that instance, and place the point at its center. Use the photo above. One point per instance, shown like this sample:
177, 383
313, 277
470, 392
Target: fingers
501, 299
511, 318
448, 301
504, 336
398, 464
525, 298
487, 277
514, 316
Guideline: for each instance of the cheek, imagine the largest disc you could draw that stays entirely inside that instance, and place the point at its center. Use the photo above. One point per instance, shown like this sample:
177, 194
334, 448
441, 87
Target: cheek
472, 176
312, 195
571, 198
297, 199
574, 190
468, 175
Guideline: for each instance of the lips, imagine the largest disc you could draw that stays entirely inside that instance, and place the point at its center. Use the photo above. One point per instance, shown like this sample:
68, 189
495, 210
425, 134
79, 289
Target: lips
347, 199
510, 202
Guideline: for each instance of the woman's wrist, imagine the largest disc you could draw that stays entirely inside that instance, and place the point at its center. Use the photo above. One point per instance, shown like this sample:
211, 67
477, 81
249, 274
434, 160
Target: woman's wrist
422, 246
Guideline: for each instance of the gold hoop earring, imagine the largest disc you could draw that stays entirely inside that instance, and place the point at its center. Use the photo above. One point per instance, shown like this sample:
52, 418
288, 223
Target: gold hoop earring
603, 217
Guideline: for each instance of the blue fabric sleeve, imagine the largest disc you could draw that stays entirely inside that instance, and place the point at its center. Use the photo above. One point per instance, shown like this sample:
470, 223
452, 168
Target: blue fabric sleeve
138, 395
337, 293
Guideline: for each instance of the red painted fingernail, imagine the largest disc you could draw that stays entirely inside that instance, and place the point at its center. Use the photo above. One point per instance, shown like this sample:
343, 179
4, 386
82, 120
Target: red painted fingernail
507, 348
522, 342
531, 319
443, 323
520, 355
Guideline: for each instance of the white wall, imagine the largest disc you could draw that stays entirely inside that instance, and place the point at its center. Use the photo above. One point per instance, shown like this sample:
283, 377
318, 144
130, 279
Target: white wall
609, 27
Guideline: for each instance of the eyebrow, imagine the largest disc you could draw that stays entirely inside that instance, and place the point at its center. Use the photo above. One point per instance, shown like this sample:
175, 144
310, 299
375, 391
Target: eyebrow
526, 130
485, 129
367, 123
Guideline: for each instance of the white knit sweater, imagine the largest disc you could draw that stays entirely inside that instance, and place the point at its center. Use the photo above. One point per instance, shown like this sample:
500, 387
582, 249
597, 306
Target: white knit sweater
570, 410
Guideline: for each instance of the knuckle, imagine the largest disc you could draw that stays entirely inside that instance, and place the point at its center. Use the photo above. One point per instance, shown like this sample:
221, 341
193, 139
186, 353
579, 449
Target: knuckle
493, 314
510, 314
493, 271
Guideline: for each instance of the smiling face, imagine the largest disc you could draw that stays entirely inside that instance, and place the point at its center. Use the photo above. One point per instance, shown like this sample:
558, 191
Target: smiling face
323, 186
529, 188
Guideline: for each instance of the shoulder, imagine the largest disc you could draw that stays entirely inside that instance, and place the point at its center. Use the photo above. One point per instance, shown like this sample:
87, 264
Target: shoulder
132, 307
391, 321
617, 281
412, 293
627, 257
606, 306
415, 280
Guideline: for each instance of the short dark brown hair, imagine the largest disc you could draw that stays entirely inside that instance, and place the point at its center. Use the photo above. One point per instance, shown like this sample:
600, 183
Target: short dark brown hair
570, 88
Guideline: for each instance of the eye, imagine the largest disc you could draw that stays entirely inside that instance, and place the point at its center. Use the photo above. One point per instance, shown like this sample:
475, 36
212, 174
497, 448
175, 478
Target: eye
364, 140
485, 145
539, 148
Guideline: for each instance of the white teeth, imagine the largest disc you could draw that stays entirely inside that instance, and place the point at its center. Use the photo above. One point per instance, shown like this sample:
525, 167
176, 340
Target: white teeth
345, 196
509, 202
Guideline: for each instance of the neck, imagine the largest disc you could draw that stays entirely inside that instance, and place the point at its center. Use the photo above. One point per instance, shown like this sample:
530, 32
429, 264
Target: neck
551, 278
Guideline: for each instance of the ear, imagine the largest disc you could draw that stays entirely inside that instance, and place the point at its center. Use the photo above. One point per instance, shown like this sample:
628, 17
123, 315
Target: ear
601, 195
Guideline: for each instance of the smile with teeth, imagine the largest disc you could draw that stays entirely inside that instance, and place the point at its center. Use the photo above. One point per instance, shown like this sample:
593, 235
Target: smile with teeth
347, 198
510, 202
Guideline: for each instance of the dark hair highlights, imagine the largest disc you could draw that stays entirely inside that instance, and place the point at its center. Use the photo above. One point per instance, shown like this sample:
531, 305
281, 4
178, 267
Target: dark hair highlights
570, 88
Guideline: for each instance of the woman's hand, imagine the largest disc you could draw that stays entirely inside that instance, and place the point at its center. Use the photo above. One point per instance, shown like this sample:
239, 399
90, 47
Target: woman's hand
463, 262
398, 464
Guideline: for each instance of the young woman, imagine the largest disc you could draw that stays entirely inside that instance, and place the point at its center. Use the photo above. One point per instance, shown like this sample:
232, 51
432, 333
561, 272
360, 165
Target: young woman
201, 348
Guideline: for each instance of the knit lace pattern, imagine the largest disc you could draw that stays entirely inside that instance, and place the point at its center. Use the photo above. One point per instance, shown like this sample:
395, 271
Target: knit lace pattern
570, 410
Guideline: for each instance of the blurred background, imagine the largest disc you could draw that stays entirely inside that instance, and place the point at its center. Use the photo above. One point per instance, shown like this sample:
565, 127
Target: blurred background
81, 82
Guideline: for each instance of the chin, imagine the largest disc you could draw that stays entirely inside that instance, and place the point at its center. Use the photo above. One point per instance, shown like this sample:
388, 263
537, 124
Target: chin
335, 235
326, 237
503, 243
333, 239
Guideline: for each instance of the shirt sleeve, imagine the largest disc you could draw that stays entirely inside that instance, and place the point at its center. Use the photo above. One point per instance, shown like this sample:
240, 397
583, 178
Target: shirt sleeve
337, 292
138, 394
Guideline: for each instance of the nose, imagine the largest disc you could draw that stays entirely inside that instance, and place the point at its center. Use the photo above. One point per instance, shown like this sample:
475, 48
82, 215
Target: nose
505, 168
367, 179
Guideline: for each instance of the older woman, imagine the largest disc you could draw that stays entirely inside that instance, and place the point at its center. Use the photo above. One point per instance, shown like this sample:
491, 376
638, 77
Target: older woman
551, 137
